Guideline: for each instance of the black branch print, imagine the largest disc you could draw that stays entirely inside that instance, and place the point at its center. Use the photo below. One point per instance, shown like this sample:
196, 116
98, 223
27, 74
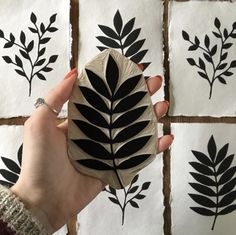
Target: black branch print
128, 119
216, 181
131, 193
12, 174
213, 54
33, 51
124, 38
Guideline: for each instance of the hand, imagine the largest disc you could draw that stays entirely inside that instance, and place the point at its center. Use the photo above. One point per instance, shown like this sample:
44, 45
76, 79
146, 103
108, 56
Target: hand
48, 184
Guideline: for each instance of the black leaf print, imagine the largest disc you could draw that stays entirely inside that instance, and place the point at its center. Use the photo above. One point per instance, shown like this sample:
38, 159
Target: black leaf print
14, 169
214, 170
220, 68
107, 98
131, 193
31, 66
125, 38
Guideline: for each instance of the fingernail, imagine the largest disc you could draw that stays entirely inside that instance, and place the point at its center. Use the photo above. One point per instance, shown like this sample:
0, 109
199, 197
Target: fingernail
167, 102
172, 136
72, 72
159, 77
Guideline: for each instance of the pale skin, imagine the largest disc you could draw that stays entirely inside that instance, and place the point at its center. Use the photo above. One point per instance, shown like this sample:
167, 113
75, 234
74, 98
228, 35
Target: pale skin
48, 184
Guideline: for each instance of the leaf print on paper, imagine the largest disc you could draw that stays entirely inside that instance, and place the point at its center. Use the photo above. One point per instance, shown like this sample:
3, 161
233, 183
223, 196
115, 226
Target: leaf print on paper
14, 169
133, 194
27, 64
125, 38
214, 55
216, 181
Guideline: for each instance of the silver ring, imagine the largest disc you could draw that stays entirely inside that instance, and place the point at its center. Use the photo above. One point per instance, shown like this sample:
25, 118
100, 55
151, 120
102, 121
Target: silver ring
41, 101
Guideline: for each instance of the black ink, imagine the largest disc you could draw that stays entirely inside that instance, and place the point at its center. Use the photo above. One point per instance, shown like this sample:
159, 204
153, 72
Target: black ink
131, 189
123, 37
14, 169
221, 68
104, 159
216, 188
26, 51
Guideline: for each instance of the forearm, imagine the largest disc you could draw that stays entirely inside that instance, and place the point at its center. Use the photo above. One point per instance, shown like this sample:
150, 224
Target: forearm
15, 218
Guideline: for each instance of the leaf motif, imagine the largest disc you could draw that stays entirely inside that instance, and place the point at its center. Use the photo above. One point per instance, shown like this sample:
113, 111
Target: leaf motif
135, 179
202, 211
30, 46
134, 48
222, 80
92, 115
227, 210
134, 204
95, 164
226, 34
42, 28
191, 61
108, 42
52, 29
118, 22
128, 28
8, 45
227, 73
24, 54
217, 23
129, 117
228, 175
207, 41
132, 147
146, 185
33, 18
20, 72
221, 154
205, 180
11, 165
7, 59
8, 175
132, 162
202, 64
201, 168
133, 189
224, 56
33, 30
53, 18
216, 34
12, 38
225, 164
211, 146
114, 200
131, 38
233, 64
40, 62
213, 50
129, 102
102, 48
201, 157
202, 200
207, 57
91, 131
227, 199
98, 84
18, 61
222, 66
1, 34
227, 45
41, 76
42, 51
193, 47
19, 154
92, 148
130, 131
94, 99
185, 35
227, 187
203, 75
112, 74
44, 40
47, 69
109, 32
139, 56
112, 190
53, 59
140, 196
127, 87
203, 189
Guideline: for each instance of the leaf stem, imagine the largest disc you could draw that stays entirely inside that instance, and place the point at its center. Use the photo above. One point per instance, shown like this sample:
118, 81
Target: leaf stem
15, 43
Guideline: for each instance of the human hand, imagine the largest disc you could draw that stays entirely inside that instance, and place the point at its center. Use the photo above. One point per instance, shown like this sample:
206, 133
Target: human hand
48, 184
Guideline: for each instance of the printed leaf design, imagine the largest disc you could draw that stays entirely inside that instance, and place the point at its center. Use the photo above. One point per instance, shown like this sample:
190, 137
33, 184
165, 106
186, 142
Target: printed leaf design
30, 62
131, 193
112, 138
14, 169
220, 70
125, 38
215, 181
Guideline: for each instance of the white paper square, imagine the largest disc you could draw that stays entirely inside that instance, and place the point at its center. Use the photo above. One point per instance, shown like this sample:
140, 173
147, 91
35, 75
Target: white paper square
184, 220
15, 16
189, 91
148, 17
102, 216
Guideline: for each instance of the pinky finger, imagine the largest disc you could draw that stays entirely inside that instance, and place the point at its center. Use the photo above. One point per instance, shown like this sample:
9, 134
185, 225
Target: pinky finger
164, 143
